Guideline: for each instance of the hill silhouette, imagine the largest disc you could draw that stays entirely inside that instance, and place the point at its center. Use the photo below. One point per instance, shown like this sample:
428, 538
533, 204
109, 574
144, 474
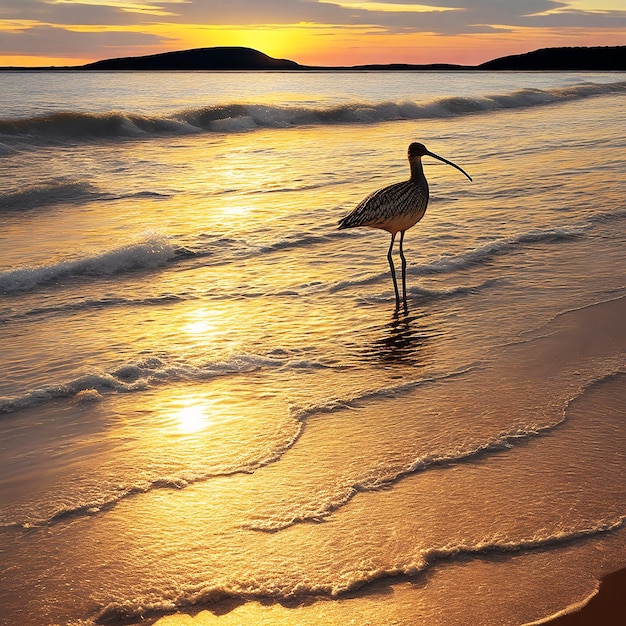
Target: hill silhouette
609, 58
219, 58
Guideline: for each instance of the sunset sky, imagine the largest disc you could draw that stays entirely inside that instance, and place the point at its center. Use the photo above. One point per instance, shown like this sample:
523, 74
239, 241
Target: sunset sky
315, 32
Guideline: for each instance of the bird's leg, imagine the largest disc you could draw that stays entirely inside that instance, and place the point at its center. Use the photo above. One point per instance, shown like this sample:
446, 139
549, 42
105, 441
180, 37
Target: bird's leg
403, 270
393, 271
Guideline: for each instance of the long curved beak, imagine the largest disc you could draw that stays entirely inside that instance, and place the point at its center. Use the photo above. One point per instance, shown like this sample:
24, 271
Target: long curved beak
436, 156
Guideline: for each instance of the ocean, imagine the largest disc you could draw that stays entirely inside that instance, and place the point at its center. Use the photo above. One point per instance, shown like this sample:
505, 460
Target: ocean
210, 411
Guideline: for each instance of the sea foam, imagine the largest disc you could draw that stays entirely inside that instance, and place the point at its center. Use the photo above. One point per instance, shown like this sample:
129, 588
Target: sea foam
139, 375
151, 252
139, 607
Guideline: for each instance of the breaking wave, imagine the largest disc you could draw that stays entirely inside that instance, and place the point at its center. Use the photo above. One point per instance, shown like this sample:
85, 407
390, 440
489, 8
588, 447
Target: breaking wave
239, 117
137, 376
76, 125
47, 194
151, 252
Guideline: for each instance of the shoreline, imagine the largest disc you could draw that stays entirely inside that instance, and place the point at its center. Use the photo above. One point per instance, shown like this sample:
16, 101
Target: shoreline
606, 607
417, 69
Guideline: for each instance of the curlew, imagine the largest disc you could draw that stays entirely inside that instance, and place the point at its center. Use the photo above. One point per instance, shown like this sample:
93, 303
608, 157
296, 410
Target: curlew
396, 208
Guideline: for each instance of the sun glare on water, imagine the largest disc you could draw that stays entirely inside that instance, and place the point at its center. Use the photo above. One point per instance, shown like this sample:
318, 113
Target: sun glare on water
197, 412
191, 419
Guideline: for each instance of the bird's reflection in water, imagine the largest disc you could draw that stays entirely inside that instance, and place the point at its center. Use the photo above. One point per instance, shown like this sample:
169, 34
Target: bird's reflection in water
406, 340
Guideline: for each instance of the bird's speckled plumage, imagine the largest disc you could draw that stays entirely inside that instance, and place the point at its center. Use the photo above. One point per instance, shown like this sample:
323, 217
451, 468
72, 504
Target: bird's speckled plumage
396, 208
393, 208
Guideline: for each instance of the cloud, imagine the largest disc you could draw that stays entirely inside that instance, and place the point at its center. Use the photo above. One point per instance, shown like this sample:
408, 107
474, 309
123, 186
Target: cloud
461, 15
68, 14
457, 14
60, 42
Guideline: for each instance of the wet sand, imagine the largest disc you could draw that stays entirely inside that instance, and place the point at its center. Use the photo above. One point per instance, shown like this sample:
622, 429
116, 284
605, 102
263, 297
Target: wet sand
595, 325
606, 608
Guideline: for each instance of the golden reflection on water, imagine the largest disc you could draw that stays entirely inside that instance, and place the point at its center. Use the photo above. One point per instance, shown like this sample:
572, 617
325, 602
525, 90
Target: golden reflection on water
200, 322
193, 410
210, 426
191, 418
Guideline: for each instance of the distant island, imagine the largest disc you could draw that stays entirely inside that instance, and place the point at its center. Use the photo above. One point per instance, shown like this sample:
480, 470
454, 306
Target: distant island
214, 59
226, 58
602, 59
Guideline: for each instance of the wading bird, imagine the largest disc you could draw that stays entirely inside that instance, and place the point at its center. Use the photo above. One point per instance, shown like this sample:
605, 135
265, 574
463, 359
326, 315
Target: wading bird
396, 208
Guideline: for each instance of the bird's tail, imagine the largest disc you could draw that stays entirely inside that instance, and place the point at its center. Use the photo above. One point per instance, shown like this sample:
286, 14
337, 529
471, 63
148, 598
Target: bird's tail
346, 222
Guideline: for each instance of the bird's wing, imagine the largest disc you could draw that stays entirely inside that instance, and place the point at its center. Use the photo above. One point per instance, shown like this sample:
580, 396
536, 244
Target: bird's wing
384, 204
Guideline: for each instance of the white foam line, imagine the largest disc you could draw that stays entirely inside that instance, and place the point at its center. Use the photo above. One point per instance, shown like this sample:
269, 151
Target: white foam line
141, 607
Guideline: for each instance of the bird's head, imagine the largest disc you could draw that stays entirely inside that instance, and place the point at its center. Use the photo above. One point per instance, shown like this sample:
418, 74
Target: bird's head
418, 150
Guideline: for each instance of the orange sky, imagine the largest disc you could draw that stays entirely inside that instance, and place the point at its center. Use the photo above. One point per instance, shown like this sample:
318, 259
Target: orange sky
315, 32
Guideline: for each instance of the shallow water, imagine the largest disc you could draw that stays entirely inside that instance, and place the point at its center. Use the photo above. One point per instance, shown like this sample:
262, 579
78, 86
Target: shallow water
208, 395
